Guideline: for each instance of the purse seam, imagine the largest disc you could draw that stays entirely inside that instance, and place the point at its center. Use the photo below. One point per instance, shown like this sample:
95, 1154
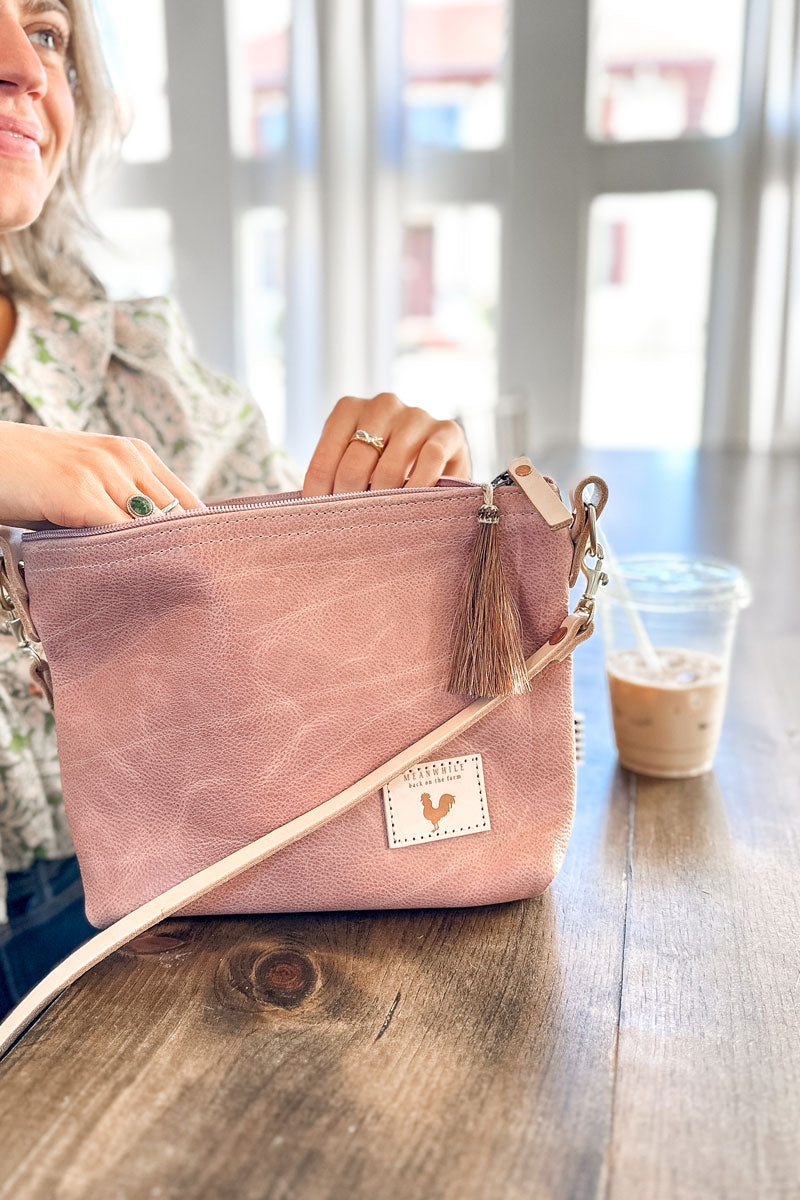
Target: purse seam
94, 566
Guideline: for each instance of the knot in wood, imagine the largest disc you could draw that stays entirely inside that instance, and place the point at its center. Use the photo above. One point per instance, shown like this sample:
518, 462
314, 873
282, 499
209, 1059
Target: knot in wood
282, 977
156, 942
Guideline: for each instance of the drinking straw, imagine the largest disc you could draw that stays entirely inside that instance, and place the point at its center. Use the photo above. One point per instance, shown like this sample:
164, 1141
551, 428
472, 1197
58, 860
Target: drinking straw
644, 643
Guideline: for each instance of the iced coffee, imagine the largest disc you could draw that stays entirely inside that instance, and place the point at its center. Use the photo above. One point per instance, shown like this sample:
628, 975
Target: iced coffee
667, 721
668, 625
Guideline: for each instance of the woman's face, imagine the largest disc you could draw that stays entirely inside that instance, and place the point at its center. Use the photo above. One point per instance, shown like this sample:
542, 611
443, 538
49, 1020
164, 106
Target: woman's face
37, 111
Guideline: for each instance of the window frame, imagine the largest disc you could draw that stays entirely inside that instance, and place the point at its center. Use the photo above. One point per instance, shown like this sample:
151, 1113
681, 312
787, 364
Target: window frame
344, 217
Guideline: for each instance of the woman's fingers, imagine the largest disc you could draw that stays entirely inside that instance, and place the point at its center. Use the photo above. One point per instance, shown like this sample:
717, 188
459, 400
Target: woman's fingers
425, 449
337, 464
418, 448
166, 478
84, 501
120, 486
75, 479
136, 469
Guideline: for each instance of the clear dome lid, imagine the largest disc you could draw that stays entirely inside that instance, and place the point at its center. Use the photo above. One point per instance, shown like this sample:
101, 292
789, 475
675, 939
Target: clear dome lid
675, 582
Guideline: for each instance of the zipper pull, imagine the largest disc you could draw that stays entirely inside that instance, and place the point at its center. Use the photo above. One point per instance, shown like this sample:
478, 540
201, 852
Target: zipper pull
542, 496
487, 655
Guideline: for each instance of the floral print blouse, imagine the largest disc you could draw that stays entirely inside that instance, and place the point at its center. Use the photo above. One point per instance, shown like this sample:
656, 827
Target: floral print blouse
128, 368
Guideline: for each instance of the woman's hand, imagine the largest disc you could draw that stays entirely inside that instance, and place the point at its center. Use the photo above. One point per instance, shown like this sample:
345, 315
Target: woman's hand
74, 478
418, 449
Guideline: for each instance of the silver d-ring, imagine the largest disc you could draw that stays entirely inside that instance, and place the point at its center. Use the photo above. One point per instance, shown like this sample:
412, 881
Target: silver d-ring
139, 505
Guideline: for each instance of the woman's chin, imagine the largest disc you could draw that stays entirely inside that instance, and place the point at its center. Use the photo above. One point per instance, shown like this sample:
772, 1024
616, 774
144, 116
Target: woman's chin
17, 211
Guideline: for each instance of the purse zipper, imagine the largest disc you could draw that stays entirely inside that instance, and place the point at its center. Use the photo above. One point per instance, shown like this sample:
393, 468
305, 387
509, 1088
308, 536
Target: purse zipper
503, 479
154, 518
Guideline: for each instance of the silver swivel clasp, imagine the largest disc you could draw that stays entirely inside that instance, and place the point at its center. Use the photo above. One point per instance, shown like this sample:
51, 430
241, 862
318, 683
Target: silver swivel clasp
596, 576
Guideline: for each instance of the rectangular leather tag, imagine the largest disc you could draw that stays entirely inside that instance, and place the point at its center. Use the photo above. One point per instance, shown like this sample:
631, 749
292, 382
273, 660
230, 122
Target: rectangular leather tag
436, 800
539, 492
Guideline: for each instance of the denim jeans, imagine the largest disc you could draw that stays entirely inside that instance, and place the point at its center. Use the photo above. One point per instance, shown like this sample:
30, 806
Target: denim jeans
46, 921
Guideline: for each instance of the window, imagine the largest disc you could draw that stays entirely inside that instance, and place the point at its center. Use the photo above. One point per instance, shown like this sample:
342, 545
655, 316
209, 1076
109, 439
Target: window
446, 334
136, 258
647, 297
454, 53
664, 70
263, 254
519, 215
259, 70
134, 42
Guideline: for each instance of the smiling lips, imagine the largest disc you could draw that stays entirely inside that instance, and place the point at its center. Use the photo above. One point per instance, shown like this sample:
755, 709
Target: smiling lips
19, 139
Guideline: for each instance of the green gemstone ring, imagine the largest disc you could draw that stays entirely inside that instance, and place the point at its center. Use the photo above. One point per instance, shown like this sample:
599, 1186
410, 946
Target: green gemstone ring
140, 506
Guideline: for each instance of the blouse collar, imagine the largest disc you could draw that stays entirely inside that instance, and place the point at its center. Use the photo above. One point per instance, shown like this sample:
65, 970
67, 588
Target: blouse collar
58, 357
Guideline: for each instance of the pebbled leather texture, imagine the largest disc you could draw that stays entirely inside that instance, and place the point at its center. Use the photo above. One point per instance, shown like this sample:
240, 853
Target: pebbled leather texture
215, 675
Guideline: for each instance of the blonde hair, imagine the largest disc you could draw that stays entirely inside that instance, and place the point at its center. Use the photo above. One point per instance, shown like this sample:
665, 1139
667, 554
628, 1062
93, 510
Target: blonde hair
46, 258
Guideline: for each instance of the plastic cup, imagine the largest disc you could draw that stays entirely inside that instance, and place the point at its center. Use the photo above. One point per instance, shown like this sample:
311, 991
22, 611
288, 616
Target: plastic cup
668, 696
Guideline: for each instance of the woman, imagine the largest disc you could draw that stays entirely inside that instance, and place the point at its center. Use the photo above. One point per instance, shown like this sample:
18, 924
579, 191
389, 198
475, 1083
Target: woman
101, 402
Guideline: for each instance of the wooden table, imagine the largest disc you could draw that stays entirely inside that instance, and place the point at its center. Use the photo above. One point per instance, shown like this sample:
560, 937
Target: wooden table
632, 1033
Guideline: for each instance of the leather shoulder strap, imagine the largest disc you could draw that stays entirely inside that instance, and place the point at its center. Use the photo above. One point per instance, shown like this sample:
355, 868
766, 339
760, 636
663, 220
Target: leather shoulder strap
575, 629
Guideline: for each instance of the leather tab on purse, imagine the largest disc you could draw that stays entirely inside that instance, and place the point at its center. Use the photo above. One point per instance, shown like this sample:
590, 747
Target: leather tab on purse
544, 499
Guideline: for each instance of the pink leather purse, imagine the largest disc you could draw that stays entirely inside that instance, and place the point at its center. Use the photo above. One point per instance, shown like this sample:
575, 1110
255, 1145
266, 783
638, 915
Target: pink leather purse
221, 677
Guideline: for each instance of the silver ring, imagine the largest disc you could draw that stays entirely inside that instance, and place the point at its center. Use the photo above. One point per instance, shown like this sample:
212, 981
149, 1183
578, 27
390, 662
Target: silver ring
372, 439
171, 505
139, 505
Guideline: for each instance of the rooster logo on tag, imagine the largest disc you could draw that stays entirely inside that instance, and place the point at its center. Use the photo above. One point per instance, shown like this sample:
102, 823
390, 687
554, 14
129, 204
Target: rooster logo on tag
435, 815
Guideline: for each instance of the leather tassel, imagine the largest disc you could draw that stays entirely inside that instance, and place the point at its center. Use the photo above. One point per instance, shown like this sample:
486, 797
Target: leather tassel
487, 654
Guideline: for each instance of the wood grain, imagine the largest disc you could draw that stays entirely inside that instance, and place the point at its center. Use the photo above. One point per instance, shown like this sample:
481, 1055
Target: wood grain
632, 1034
707, 1094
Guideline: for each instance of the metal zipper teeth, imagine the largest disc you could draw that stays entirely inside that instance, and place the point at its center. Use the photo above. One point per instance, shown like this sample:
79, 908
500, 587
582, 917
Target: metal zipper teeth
155, 518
